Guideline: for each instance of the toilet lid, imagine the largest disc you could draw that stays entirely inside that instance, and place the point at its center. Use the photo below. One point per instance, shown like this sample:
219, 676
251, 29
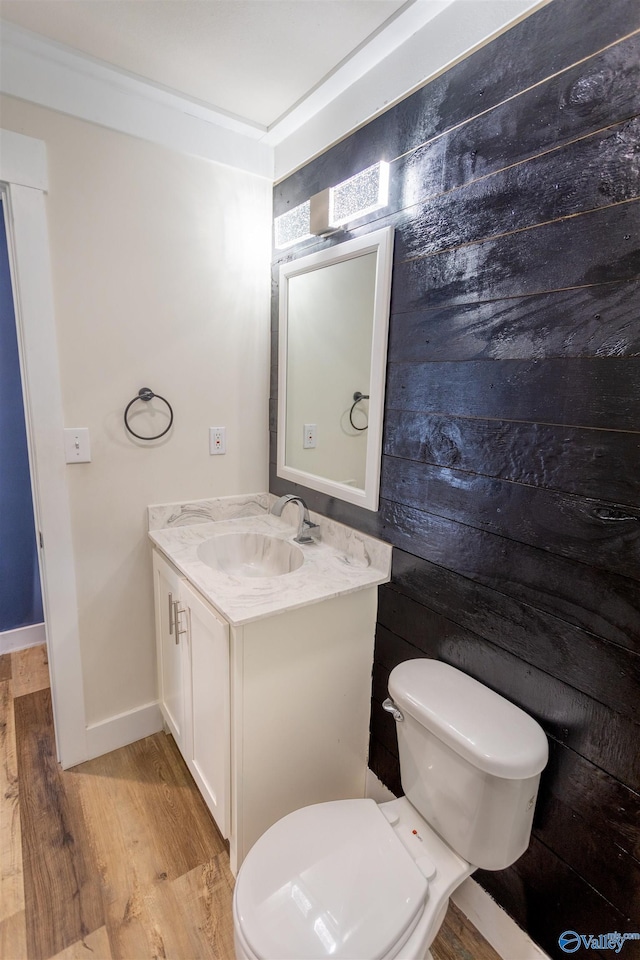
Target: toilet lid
329, 880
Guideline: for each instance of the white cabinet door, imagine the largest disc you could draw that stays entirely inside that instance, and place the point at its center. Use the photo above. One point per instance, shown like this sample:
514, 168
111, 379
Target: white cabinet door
208, 725
169, 644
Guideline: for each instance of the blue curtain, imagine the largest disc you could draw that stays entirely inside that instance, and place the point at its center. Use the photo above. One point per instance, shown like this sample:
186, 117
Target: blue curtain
20, 596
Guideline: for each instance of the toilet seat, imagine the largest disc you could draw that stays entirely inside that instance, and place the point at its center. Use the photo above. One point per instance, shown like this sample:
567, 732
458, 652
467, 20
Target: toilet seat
329, 880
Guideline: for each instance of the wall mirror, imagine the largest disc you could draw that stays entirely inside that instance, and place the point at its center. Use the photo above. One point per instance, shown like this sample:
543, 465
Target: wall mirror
334, 320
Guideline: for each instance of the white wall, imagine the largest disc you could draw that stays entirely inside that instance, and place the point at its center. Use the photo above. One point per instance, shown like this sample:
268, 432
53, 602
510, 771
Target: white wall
161, 278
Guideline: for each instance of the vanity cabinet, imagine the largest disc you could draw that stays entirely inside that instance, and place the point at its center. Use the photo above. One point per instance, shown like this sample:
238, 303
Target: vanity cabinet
167, 584
270, 714
192, 643
301, 702
207, 722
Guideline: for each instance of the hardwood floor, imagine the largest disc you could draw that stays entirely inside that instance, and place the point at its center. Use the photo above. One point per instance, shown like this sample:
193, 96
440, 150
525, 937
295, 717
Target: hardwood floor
118, 858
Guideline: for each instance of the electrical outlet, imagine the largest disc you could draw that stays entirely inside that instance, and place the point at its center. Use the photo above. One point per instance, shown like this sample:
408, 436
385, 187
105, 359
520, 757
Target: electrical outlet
309, 437
217, 440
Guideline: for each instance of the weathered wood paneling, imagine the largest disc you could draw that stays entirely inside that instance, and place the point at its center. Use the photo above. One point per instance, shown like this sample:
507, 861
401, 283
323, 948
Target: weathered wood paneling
575, 103
585, 462
511, 468
593, 321
581, 786
521, 195
551, 256
546, 896
561, 523
573, 656
601, 603
601, 393
608, 869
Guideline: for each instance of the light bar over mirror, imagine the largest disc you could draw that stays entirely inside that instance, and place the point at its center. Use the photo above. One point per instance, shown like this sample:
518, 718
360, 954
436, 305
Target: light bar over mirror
293, 226
364, 193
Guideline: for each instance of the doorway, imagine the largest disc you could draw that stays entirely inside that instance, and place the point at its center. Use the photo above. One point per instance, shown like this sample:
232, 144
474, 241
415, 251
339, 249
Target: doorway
23, 188
21, 612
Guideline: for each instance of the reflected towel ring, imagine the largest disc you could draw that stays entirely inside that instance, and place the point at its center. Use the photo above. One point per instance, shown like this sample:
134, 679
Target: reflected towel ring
357, 397
144, 393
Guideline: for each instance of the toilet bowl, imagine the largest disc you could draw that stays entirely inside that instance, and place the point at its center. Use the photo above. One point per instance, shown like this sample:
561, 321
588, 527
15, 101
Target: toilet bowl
346, 878
354, 880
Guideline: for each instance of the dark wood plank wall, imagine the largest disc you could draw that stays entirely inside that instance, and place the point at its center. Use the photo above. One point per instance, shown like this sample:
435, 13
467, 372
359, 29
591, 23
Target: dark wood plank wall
511, 465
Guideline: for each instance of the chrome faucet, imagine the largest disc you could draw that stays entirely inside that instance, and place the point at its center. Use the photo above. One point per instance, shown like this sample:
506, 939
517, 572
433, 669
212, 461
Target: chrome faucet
305, 524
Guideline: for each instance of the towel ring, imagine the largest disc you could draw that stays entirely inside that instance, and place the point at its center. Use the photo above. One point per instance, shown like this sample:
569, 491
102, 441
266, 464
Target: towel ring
357, 397
146, 394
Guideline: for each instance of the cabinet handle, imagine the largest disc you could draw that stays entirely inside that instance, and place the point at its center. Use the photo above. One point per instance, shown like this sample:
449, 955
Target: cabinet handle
178, 611
170, 614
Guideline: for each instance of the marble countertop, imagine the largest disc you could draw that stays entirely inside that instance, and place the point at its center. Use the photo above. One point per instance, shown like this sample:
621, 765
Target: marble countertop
342, 561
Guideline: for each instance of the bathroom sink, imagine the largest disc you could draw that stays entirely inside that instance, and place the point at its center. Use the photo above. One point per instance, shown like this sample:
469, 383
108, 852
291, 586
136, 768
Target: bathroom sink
250, 555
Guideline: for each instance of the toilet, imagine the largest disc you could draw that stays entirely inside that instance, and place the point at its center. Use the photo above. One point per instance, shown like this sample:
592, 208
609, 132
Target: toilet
356, 880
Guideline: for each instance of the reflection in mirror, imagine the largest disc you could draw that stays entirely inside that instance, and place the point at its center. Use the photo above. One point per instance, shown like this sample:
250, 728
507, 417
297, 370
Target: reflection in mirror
328, 359
334, 309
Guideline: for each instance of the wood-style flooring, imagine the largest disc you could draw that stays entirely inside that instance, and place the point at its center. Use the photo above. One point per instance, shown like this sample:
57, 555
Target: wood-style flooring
118, 858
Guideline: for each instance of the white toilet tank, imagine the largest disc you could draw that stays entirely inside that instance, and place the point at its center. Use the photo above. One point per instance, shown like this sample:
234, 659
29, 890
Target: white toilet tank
470, 761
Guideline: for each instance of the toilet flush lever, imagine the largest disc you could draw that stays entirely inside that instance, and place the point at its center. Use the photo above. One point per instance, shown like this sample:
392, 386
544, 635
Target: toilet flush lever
391, 708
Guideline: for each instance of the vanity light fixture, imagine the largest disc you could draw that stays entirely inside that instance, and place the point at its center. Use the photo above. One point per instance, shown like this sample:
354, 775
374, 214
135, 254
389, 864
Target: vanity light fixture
353, 198
293, 226
332, 208
365, 192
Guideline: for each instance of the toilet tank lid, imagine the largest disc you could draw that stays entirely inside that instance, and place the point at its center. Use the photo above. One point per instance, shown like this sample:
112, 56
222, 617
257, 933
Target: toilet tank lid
478, 724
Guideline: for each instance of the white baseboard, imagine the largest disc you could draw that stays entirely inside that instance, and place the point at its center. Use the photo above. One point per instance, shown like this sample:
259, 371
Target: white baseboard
488, 917
125, 728
496, 926
22, 638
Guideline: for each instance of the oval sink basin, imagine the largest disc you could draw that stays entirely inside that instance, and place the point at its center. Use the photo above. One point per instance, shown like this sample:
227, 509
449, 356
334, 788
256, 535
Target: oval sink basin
250, 555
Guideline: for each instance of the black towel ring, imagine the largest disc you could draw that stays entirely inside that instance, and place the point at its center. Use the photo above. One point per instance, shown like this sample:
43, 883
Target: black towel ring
357, 397
146, 394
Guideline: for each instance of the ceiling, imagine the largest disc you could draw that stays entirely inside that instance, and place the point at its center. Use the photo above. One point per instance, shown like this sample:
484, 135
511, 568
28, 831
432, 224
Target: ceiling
254, 59
260, 85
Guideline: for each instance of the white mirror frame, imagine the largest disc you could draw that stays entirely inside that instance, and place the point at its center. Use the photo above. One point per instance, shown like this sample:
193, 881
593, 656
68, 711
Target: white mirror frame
381, 243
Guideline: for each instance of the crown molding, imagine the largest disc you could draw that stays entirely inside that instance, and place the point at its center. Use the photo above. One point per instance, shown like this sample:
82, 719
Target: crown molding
368, 56
51, 75
454, 31
420, 42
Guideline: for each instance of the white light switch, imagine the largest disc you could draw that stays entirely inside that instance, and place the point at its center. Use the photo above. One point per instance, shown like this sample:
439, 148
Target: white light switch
76, 445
